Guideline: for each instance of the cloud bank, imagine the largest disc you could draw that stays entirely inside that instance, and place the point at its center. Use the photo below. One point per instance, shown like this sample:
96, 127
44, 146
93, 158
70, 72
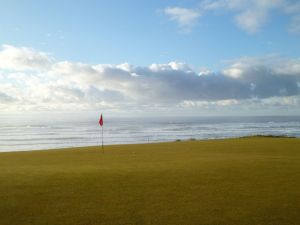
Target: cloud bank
33, 80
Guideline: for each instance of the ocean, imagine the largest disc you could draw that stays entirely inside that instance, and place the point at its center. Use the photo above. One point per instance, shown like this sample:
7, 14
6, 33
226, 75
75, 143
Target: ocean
32, 132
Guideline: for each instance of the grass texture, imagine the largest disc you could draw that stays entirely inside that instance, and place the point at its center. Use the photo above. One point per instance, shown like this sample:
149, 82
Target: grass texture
242, 181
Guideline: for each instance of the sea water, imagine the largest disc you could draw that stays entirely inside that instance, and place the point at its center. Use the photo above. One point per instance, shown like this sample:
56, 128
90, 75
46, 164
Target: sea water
32, 132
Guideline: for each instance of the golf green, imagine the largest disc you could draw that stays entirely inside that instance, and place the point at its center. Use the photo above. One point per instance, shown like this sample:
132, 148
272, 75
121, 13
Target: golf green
253, 180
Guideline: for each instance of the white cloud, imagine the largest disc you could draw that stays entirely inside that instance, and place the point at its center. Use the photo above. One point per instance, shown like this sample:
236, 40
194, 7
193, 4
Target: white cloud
251, 21
186, 18
249, 15
23, 58
171, 66
63, 85
295, 25
235, 71
272, 63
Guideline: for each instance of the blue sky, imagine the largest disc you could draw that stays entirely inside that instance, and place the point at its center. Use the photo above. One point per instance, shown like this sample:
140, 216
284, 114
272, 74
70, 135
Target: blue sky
138, 32
221, 38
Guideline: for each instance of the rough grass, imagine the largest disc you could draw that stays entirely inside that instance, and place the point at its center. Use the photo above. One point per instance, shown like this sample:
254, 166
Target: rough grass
233, 181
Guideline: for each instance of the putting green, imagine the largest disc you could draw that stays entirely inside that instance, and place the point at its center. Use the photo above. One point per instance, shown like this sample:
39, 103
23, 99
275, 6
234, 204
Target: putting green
233, 181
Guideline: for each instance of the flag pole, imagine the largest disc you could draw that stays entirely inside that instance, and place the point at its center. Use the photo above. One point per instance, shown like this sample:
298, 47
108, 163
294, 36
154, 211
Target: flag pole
102, 140
101, 125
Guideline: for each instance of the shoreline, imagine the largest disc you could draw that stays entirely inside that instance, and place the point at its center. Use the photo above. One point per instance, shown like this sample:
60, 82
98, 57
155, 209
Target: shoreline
155, 142
35, 134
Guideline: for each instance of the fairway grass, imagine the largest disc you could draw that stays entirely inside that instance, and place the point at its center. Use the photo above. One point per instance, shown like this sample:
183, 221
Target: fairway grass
246, 181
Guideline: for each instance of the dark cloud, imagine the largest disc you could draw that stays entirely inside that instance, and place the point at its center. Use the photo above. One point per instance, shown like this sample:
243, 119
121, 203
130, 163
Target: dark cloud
176, 85
4, 98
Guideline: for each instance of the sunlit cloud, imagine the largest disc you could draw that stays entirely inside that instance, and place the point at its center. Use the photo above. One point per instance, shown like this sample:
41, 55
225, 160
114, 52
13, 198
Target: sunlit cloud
33, 80
249, 15
186, 18
23, 58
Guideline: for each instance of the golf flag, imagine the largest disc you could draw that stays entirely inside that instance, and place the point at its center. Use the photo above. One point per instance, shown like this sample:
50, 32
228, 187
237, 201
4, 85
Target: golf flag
101, 121
101, 125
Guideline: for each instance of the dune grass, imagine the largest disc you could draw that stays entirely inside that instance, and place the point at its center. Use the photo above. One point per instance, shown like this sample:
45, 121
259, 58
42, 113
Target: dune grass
233, 181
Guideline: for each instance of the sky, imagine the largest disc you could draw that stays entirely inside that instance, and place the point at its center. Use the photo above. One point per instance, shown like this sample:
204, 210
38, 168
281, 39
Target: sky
179, 57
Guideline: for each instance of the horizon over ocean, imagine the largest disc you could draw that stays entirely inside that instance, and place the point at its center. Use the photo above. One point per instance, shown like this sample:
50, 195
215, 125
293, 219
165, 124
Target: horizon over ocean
21, 133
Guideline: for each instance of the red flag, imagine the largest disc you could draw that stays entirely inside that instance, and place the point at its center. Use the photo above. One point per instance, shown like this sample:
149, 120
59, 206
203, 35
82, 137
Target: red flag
101, 121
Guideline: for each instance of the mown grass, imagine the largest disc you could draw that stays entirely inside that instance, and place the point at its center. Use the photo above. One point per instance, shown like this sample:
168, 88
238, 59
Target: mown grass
234, 181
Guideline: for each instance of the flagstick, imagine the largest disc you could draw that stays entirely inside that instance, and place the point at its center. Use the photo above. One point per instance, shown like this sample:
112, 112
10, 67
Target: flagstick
102, 140
101, 124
